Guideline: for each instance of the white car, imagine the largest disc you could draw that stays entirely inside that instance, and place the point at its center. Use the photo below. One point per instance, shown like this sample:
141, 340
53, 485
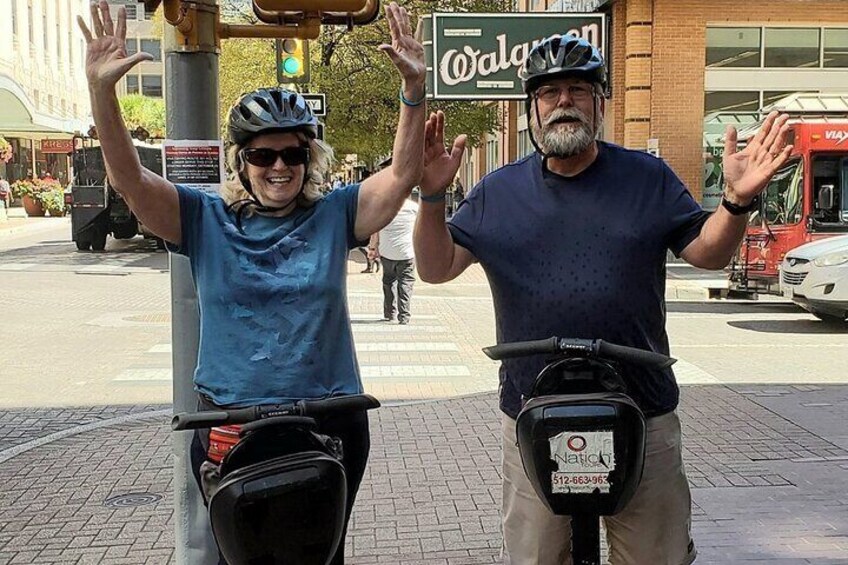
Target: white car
815, 276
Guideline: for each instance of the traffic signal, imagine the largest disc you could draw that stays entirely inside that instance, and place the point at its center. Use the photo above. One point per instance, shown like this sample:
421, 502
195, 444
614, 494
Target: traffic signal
292, 60
329, 12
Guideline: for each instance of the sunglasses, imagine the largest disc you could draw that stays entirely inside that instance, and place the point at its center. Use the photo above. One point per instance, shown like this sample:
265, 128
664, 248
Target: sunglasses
265, 156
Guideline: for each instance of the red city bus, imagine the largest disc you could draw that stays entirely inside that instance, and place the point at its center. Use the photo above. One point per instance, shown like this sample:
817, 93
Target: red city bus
806, 200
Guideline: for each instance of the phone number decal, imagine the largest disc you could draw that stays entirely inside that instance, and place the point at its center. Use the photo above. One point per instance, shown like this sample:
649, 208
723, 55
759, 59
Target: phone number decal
563, 483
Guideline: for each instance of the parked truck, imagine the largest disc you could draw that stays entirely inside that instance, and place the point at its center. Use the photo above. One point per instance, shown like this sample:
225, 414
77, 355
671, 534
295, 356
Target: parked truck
806, 200
97, 210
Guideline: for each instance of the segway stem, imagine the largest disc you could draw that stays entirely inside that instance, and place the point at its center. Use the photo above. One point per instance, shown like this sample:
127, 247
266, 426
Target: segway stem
585, 539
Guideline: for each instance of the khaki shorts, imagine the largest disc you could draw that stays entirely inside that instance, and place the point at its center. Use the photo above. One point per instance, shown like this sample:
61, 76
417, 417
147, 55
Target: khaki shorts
654, 528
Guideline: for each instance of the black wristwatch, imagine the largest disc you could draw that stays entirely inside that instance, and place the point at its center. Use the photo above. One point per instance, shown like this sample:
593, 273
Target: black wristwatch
738, 210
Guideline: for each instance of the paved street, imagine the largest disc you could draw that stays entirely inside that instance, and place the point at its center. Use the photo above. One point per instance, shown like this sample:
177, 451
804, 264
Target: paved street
85, 452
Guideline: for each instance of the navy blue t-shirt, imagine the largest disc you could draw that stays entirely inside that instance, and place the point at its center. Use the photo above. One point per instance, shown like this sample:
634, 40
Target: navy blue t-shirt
580, 257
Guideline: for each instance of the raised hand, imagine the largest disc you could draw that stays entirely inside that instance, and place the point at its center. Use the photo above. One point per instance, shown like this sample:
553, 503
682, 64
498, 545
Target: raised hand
748, 172
106, 59
405, 50
440, 165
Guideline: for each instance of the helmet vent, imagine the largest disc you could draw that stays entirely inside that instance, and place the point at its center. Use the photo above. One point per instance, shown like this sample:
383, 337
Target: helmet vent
278, 98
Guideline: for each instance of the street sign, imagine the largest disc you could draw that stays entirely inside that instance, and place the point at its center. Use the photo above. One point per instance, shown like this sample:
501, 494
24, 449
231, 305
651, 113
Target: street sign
317, 102
477, 56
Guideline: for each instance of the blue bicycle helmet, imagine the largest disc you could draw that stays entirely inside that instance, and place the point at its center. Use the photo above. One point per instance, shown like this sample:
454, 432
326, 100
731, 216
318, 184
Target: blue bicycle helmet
270, 109
562, 55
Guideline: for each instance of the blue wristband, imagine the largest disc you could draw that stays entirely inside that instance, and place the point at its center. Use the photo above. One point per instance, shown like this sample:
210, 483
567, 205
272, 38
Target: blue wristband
410, 102
433, 198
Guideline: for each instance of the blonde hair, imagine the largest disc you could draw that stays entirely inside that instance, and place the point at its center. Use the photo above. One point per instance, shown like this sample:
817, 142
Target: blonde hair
320, 160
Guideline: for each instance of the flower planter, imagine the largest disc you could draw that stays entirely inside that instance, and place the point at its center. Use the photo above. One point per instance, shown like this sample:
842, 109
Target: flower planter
33, 207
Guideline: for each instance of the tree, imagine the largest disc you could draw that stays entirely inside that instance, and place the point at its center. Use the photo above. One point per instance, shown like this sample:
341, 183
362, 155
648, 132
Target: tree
360, 82
145, 111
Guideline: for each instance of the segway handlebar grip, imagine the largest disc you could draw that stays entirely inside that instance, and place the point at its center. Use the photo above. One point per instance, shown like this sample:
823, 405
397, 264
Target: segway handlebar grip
199, 420
522, 348
348, 403
633, 355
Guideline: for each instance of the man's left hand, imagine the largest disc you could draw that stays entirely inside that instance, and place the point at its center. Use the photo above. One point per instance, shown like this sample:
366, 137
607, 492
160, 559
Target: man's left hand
748, 172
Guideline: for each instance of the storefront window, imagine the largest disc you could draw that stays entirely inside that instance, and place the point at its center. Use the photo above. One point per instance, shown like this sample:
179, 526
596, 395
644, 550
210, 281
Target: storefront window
770, 97
525, 146
835, 48
151, 85
792, 47
733, 47
152, 46
492, 151
748, 101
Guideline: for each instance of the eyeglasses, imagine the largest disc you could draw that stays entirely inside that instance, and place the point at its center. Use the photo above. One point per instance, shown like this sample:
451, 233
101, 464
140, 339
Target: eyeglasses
550, 94
265, 156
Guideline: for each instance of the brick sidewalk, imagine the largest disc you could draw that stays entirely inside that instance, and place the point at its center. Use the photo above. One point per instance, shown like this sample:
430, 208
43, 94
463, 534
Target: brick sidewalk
765, 490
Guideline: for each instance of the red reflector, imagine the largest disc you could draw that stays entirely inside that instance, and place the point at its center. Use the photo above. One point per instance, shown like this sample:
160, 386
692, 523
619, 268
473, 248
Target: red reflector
69, 198
221, 440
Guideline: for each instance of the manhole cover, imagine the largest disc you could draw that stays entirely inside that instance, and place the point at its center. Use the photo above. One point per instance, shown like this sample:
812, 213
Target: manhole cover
132, 500
160, 318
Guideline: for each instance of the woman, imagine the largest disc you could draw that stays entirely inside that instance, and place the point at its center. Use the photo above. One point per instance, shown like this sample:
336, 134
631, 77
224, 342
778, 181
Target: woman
269, 255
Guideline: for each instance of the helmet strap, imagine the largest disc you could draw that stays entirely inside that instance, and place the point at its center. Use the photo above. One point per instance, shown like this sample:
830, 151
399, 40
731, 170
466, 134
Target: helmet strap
256, 204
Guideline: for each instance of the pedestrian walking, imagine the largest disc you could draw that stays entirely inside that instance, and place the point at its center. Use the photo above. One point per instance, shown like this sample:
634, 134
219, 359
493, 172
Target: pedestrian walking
393, 246
269, 255
579, 251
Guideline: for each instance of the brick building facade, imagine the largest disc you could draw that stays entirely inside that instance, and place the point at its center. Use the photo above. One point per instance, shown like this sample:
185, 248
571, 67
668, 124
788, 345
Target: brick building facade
674, 63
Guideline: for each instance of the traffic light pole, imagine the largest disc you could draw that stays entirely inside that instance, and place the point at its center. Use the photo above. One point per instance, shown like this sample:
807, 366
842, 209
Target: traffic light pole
191, 100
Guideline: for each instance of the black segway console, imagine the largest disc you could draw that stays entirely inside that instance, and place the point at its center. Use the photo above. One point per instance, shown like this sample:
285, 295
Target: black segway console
582, 453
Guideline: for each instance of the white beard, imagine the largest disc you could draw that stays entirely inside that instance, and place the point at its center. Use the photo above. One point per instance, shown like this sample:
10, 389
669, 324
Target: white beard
563, 142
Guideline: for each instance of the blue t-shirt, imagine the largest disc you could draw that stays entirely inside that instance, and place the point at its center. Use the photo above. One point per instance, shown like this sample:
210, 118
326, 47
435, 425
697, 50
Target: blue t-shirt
580, 257
274, 324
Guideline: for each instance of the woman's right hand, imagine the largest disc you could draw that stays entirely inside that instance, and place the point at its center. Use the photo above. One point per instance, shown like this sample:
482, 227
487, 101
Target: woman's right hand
106, 59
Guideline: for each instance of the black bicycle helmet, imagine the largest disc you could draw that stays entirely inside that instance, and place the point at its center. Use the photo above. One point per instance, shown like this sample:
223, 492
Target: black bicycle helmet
560, 55
270, 109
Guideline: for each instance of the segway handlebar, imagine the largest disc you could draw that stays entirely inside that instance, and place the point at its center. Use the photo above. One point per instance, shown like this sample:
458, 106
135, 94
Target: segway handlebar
577, 347
301, 408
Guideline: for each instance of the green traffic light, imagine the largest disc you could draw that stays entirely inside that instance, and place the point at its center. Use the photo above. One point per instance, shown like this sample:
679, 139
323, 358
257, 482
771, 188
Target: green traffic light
291, 65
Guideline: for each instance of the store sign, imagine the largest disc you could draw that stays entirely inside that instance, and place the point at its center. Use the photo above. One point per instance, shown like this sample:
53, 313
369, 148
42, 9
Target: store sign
57, 145
477, 56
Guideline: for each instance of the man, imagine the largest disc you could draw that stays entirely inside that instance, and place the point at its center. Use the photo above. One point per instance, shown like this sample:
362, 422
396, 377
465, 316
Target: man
392, 246
573, 239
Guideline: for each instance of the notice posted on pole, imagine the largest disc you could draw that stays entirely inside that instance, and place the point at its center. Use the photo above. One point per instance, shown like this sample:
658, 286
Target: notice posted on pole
194, 163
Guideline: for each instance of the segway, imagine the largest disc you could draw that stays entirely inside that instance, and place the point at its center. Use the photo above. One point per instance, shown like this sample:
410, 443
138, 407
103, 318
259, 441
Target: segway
581, 438
282, 493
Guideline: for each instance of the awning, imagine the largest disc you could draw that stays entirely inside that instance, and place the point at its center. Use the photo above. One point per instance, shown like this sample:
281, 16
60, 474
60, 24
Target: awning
19, 118
716, 124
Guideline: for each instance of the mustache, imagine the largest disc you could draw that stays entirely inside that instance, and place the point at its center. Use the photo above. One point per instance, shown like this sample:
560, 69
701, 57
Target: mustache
563, 113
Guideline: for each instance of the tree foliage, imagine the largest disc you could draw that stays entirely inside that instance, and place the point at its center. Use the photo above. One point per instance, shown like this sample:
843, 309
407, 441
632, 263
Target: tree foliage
360, 81
144, 111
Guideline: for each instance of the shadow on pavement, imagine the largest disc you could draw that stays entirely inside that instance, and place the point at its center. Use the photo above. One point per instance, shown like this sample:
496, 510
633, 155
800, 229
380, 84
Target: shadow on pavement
791, 326
135, 252
724, 307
